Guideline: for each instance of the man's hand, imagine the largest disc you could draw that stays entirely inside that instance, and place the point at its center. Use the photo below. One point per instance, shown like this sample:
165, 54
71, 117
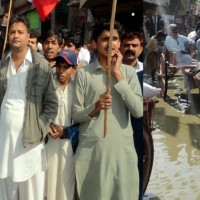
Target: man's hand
115, 66
104, 103
56, 131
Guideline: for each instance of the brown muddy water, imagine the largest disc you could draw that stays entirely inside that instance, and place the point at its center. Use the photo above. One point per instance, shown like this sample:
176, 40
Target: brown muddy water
176, 169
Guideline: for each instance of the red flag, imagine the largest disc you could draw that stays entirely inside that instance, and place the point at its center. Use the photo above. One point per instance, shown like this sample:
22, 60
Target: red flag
44, 7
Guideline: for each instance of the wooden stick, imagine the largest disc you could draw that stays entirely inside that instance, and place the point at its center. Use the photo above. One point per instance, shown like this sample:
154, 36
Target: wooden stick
108, 70
6, 35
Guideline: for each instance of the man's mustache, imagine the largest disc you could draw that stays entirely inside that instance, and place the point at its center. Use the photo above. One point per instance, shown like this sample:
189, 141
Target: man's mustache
130, 52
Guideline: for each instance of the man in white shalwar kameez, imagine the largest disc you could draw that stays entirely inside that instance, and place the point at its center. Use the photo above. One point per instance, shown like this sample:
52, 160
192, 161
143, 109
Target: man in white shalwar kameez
177, 43
28, 105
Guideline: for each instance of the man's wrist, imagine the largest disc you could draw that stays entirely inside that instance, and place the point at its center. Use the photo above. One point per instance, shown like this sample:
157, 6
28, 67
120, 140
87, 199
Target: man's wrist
95, 111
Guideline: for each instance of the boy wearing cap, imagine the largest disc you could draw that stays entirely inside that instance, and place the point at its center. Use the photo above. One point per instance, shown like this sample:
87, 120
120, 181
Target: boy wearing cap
60, 175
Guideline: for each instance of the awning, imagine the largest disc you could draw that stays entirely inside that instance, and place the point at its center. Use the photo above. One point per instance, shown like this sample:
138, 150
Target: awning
159, 3
106, 4
93, 3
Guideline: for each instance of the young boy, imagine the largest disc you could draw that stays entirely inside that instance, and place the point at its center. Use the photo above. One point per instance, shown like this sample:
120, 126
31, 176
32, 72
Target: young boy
52, 44
73, 41
60, 175
106, 168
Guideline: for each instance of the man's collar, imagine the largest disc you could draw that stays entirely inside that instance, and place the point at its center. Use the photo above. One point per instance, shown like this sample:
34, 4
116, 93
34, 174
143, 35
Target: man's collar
28, 55
97, 65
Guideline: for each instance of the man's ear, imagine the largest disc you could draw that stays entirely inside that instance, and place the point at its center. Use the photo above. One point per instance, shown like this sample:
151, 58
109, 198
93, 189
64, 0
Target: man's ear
141, 49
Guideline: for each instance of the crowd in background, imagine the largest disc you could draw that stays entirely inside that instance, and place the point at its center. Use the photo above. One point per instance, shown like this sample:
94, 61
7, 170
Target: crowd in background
183, 50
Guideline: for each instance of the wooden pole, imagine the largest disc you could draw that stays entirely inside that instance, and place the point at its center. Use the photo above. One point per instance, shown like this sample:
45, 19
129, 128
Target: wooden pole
108, 70
6, 35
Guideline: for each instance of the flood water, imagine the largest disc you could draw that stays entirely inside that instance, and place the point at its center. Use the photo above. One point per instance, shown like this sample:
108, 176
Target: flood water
176, 169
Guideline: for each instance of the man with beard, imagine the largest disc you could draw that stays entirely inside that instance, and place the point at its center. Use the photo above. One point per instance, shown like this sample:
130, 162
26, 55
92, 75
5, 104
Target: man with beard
177, 43
181, 45
131, 48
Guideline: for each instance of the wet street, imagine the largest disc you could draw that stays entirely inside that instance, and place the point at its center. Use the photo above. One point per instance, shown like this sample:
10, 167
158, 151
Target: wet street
176, 168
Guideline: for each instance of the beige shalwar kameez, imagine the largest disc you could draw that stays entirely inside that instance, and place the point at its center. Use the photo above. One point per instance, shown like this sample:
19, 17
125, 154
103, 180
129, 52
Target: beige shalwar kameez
106, 168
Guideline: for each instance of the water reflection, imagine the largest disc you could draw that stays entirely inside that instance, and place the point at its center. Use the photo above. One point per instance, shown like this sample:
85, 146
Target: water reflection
176, 169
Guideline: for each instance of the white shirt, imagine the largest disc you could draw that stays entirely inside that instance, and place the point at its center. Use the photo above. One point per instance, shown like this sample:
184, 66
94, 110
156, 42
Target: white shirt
16, 161
176, 45
139, 66
65, 103
84, 55
59, 152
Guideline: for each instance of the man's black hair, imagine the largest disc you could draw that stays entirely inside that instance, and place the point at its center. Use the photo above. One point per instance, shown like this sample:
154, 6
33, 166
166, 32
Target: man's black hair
35, 34
17, 19
132, 35
53, 33
74, 37
105, 25
65, 32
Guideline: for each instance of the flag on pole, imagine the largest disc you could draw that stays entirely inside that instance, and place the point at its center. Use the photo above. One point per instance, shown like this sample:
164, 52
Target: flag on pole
44, 7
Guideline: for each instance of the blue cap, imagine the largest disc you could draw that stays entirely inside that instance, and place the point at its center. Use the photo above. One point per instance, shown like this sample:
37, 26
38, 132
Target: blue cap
69, 56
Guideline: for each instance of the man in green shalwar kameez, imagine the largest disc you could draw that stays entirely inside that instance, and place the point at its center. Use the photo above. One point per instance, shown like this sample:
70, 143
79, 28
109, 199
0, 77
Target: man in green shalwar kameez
106, 168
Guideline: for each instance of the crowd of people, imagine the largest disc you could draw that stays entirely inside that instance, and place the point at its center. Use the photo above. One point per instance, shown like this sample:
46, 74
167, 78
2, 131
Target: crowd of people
182, 49
52, 103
